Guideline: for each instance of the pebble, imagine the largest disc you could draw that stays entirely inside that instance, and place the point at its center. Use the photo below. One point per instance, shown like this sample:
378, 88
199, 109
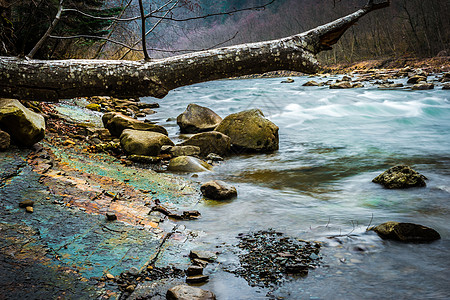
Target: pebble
29, 209
110, 276
26, 203
111, 216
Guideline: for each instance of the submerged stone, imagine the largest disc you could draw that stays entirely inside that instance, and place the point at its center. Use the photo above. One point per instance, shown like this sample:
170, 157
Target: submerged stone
188, 164
406, 232
218, 190
400, 177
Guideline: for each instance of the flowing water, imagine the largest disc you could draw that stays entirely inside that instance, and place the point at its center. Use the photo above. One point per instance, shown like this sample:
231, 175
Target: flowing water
318, 185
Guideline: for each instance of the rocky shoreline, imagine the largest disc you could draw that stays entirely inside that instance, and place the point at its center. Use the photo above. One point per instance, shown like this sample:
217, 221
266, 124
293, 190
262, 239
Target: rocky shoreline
98, 162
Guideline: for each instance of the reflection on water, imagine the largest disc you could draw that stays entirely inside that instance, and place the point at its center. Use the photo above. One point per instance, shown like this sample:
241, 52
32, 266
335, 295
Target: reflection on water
332, 144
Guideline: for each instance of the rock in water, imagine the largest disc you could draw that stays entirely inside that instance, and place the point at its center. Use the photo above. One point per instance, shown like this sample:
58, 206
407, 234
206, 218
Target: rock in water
184, 151
250, 131
416, 79
24, 126
400, 177
143, 142
423, 86
188, 164
185, 292
203, 255
218, 190
197, 118
5, 140
406, 232
210, 142
116, 123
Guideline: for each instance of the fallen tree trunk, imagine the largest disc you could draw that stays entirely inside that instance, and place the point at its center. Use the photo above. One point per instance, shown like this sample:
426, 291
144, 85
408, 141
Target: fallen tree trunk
53, 80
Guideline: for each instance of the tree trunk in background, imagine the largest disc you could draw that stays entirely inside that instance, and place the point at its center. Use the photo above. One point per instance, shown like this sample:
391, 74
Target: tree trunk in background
53, 80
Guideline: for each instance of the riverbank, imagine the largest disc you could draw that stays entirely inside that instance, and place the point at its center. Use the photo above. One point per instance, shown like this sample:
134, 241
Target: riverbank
332, 144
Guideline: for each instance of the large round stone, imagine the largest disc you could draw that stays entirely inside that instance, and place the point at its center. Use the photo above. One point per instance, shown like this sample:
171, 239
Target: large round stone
197, 118
210, 142
143, 142
117, 122
23, 125
250, 131
406, 232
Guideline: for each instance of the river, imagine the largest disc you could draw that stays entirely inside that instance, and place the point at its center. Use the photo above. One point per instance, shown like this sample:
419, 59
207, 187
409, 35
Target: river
318, 185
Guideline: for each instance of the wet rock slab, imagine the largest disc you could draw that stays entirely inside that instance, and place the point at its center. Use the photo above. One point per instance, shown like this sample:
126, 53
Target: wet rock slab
269, 257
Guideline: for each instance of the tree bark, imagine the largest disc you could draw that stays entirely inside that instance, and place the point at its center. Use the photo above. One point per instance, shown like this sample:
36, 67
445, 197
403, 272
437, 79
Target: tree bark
61, 79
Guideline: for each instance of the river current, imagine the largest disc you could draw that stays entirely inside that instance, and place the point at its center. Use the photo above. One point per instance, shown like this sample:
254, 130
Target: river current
318, 185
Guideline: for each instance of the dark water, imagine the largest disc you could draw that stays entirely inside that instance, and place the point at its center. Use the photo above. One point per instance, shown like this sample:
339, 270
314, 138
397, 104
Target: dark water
332, 144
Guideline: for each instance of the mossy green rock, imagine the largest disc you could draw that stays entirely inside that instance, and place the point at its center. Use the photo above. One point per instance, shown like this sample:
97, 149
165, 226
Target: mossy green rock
250, 131
146, 143
24, 126
94, 106
210, 142
197, 118
406, 232
117, 122
188, 164
400, 177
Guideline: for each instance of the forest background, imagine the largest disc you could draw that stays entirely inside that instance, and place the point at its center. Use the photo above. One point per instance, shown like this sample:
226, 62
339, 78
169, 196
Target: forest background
408, 28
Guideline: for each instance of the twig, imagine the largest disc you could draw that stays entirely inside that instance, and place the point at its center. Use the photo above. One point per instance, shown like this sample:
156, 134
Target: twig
370, 223
168, 235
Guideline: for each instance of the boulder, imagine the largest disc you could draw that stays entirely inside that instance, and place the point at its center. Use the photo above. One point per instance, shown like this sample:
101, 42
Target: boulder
188, 164
446, 86
406, 232
5, 140
250, 131
117, 122
24, 126
146, 143
423, 86
288, 80
197, 118
218, 190
210, 142
416, 79
185, 292
400, 177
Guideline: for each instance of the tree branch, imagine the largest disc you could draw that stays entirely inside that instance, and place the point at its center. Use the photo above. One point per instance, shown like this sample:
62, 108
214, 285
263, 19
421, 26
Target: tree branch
48, 32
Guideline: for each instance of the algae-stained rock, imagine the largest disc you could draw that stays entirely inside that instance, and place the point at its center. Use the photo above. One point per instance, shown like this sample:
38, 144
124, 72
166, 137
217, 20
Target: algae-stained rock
250, 131
210, 142
400, 177
94, 107
184, 151
197, 118
143, 142
203, 255
218, 190
188, 164
406, 232
185, 292
117, 122
24, 126
5, 140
